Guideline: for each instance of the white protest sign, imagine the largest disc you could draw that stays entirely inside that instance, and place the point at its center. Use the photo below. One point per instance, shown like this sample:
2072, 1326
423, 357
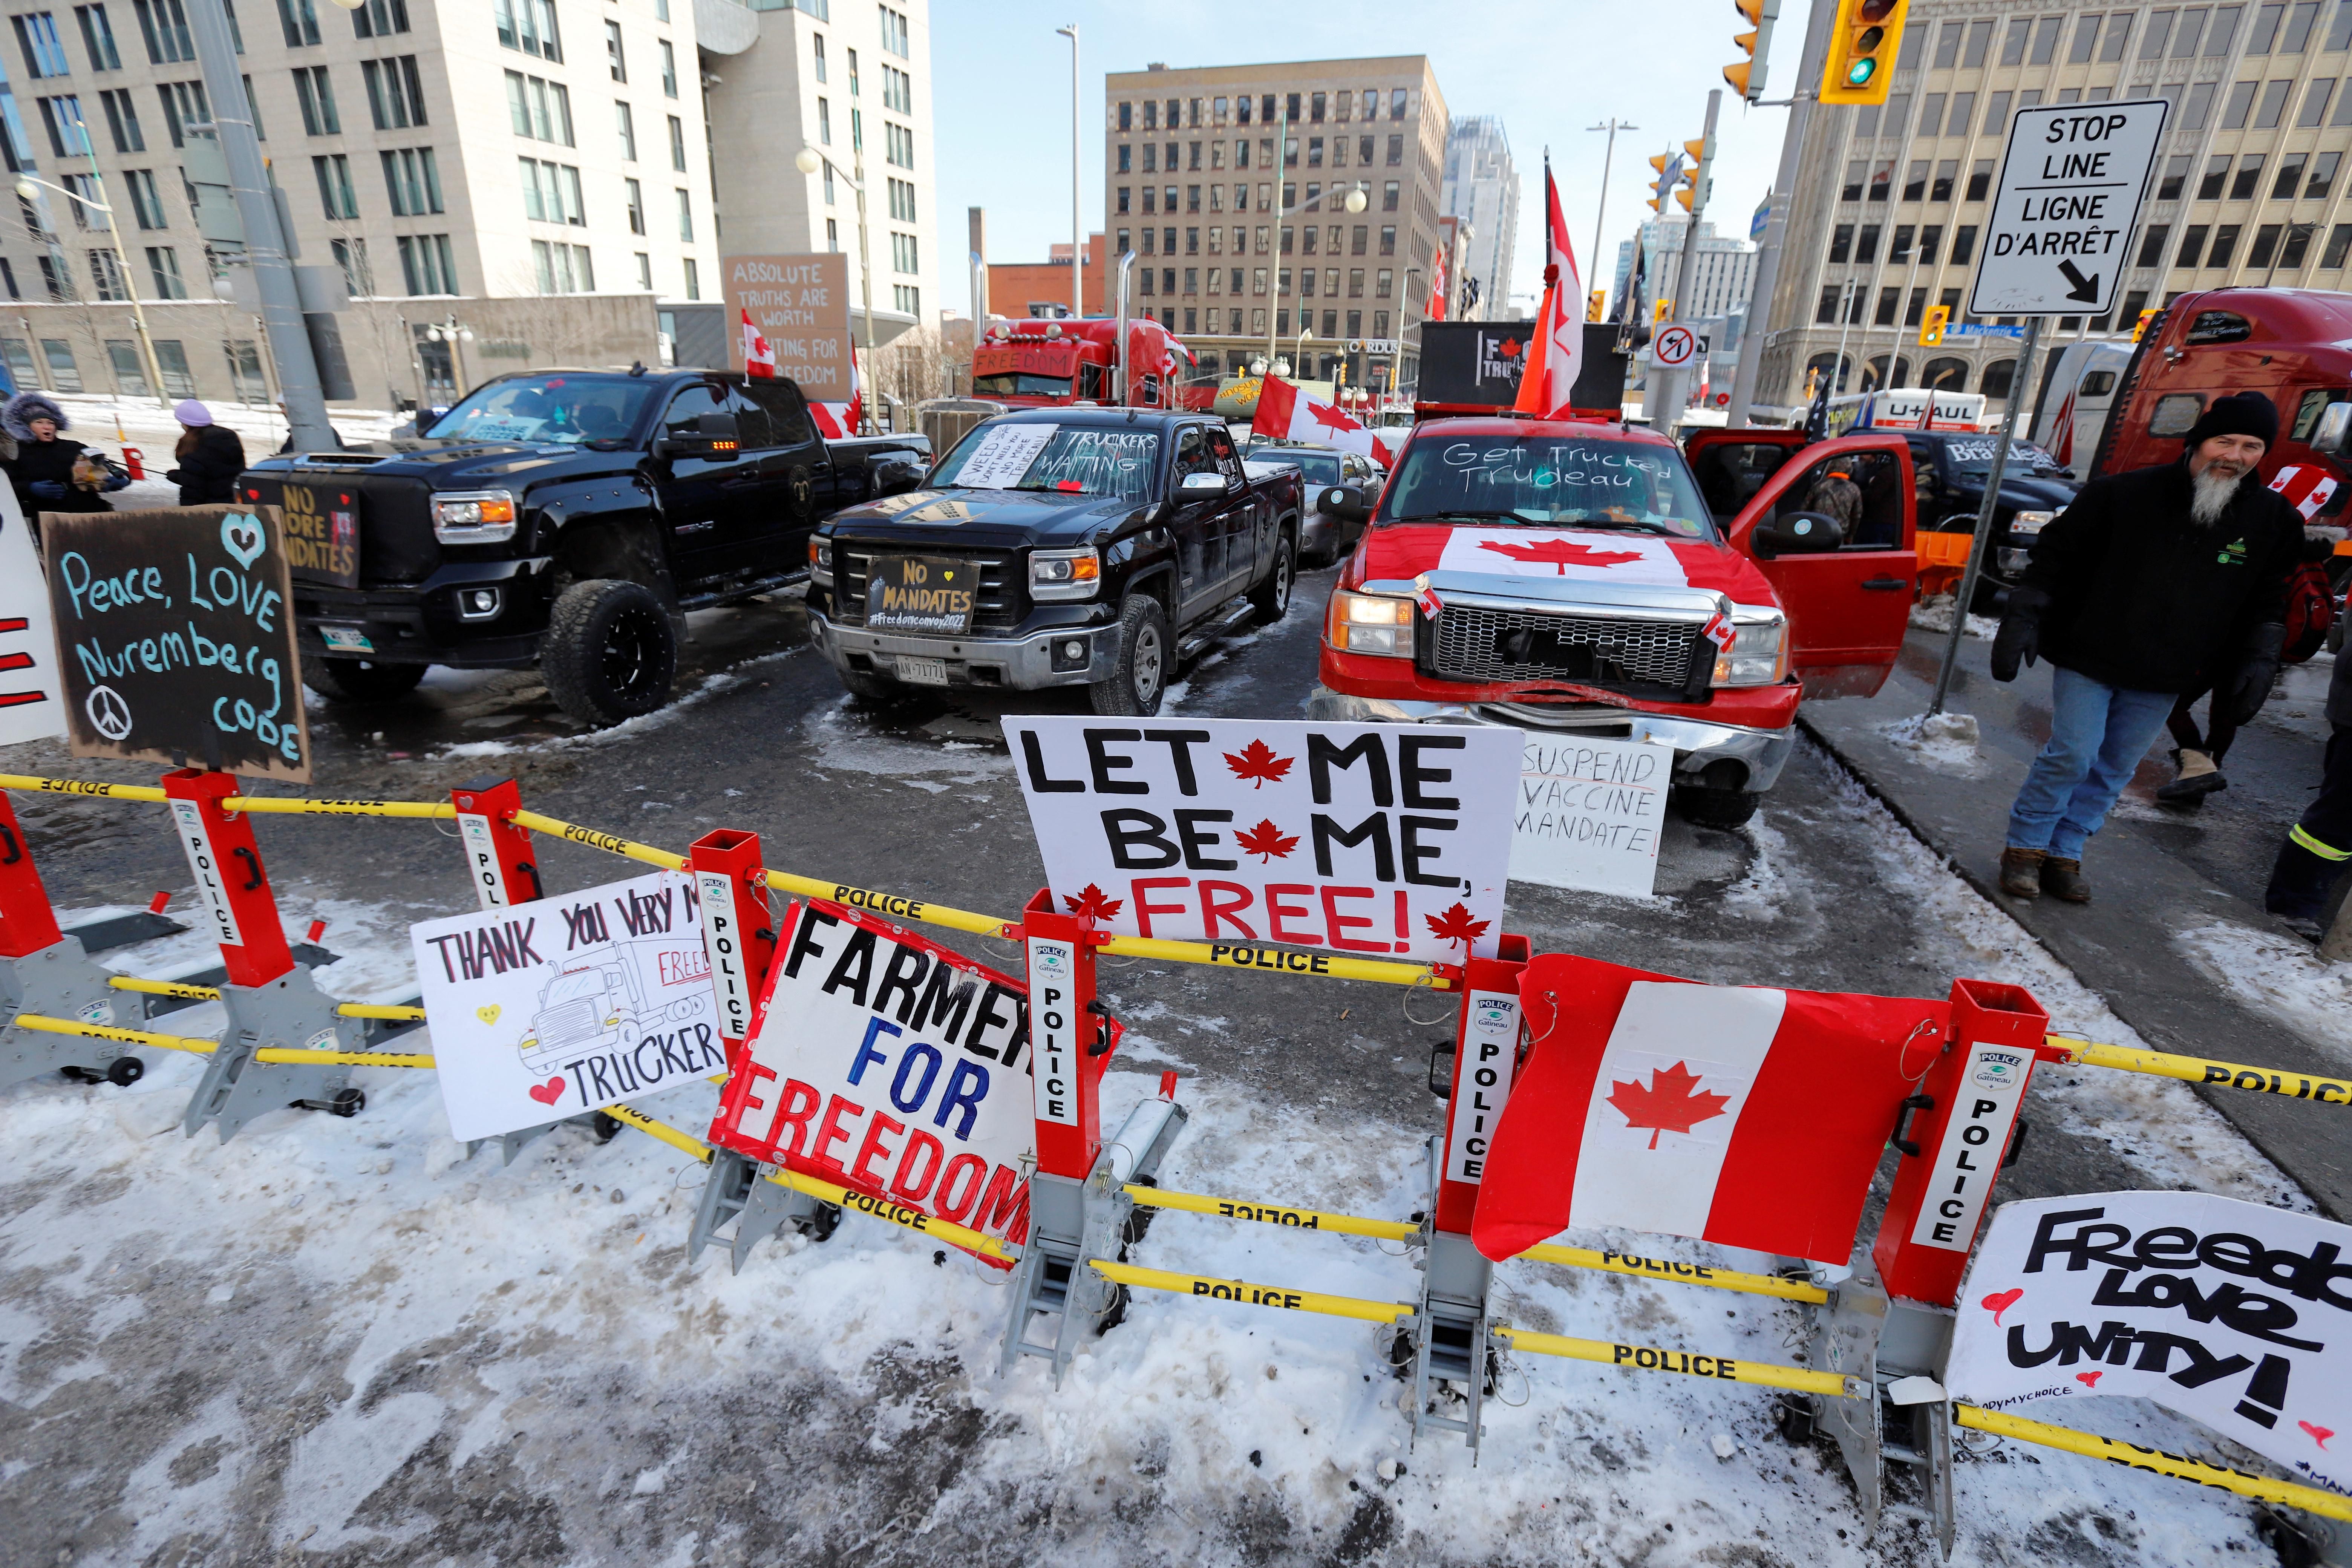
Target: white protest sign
545, 1010
32, 696
2233, 1313
1391, 840
2072, 179
1590, 812
1003, 455
891, 1066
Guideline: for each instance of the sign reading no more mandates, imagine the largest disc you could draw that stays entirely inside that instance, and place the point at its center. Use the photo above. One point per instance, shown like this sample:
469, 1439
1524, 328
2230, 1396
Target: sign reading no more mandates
2072, 180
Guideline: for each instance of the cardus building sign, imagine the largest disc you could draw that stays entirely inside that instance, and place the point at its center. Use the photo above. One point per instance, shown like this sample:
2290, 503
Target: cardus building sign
799, 304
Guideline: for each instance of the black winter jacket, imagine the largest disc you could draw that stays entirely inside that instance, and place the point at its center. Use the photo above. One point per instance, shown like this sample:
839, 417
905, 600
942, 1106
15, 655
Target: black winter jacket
207, 476
2143, 598
52, 460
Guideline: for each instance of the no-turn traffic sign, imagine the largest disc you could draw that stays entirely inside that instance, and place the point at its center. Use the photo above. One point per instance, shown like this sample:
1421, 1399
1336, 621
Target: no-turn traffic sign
2072, 180
1676, 346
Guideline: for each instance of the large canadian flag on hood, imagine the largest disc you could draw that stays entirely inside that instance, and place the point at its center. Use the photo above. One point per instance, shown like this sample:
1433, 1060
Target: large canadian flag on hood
1287, 414
1743, 1115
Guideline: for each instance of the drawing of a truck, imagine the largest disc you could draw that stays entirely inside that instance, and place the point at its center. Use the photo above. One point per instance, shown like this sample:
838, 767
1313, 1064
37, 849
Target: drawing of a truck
607, 998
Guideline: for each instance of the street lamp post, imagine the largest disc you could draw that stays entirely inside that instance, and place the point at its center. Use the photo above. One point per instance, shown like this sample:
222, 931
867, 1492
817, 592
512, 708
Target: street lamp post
26, 185
449, 331
1077, 224
1356, 202
808, 161
1612, 126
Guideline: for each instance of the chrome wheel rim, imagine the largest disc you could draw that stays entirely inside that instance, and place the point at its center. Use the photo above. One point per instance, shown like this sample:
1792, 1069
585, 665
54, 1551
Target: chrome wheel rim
1146, 663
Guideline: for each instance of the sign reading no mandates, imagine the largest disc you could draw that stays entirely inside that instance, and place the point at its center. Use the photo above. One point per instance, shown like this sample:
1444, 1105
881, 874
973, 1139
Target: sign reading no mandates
175, 638
2072, 180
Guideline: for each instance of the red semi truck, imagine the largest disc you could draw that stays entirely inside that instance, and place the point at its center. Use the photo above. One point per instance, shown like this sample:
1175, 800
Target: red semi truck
1037, 363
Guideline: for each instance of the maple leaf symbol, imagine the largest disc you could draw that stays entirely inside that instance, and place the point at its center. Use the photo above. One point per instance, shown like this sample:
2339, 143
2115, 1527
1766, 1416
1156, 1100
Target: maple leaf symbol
1673, 1102
1256, 761
1560, 552
1508, 348
1455, 925
1266, 841
1331, 418
1091, 904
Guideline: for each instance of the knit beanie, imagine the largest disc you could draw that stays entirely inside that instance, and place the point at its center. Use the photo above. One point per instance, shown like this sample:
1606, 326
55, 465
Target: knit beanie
188, 411
2240, 413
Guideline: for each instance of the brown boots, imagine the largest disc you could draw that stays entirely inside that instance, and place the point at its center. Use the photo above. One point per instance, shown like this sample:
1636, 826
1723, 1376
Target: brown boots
2064, 879
2028, 873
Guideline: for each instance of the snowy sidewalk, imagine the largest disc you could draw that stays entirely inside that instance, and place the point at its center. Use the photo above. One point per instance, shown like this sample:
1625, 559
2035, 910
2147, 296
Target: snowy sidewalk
2176, 939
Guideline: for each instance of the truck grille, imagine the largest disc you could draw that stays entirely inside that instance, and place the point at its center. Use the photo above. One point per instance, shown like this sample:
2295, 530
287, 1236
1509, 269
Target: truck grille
569, 1021
396, 543
1518, 646
1003, 597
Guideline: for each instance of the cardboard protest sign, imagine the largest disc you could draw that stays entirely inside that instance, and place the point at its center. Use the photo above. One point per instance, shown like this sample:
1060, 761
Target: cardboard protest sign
1388, 840
2235, 1314
892, 1066
32, 693
1589, 814
175, 638
798, 309
322, 524
545, 1010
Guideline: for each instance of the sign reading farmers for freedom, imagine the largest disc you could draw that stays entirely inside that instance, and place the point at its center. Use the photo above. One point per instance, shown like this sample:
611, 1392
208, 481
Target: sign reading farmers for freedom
1589, 814
2233, 1313
548, 1009
176, 639
32, 696
1359, 839
889, 1065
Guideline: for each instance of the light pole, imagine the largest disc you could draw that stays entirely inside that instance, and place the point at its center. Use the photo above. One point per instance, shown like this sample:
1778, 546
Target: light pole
456, 336
1612, 126
26, 186
808, 161
1077, 225
1357, 201
1298, 356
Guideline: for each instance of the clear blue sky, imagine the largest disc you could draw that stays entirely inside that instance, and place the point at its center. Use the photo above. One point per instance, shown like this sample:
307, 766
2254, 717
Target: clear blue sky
1001, 97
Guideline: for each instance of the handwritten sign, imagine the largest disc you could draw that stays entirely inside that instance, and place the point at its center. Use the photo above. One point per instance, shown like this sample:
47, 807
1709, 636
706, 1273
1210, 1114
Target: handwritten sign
1003, 456
1589, 814
323, 533
31, 694
800, 305
176, 640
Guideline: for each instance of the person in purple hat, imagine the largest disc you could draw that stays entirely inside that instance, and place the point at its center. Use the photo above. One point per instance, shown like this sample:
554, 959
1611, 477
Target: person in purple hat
210, 458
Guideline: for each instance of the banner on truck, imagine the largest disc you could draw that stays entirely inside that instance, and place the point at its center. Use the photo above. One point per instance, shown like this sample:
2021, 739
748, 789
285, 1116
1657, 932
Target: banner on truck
568, 1005
1388, 840
2235, 1314
892, 1066
1590, 812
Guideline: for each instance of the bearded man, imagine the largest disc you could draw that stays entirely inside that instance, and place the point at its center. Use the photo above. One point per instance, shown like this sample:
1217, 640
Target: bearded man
2151, 584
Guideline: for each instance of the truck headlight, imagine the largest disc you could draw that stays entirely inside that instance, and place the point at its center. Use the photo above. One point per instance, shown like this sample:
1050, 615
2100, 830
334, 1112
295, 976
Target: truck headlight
473, 517
2029, 524
820, 560
1370, 624
1758, 654
1065, 574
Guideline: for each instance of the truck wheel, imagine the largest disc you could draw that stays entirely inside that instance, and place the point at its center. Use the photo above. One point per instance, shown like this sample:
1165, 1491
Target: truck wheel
609, 654
1703, 807
1139, 679
1271, 598
871, 689
360, 679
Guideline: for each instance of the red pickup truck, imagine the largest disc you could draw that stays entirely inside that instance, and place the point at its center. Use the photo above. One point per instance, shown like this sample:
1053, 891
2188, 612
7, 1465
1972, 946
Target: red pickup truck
1586, 578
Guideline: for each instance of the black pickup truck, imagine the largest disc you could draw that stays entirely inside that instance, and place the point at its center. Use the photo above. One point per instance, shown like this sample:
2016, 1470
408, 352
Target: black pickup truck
1061, 546
562, 518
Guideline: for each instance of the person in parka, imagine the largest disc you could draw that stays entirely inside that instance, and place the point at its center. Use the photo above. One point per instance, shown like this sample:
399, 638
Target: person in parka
209, 455
43, 470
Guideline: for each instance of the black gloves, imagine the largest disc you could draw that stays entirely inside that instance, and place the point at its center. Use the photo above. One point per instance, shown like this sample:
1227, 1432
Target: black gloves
2243, 698
2021, 632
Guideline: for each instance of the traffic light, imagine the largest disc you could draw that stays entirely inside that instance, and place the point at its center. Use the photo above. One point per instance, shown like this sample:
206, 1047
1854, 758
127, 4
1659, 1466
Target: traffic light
1931, 331
1596, 305
1863, 41
2141, 325
1663, 310
1669, 166
1747, 78
1700, 151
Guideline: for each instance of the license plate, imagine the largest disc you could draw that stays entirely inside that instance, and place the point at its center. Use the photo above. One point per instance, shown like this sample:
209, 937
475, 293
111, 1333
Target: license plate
346, 639
922, 671
921, 594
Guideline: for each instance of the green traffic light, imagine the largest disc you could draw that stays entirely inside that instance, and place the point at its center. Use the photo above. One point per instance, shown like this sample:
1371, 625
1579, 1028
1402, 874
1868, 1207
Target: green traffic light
1859, 73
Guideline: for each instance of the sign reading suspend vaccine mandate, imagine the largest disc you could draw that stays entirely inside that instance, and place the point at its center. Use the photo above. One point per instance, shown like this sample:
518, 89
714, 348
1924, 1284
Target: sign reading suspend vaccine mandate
2071, 181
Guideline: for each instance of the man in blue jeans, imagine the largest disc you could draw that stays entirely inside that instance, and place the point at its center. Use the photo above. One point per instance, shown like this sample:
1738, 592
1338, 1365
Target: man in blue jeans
2151, 584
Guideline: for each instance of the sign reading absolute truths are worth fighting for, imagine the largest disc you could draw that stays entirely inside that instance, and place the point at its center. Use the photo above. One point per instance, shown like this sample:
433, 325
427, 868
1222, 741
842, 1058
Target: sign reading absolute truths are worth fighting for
891, 1066
569, 1004
1360, 840
2233, 1313
1590, 812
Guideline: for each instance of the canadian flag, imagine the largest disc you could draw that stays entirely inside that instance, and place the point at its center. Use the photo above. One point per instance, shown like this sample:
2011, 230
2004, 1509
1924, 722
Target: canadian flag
1436, 311
1745, 1116
2306, 487
1557, 354
758, 358
1286, 414
836, 420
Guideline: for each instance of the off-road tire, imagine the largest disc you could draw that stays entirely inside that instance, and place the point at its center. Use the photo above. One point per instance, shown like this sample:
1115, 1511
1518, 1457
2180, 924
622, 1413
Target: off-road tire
1703, 807
610, 653
1147, 656
1271, 598
870, 688
361, 681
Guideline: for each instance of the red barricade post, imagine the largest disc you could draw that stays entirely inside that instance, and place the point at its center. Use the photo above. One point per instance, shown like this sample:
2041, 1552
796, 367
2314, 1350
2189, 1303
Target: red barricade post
736, 931
240, 914
499, 858
1069, 1036
47, 975
28, 923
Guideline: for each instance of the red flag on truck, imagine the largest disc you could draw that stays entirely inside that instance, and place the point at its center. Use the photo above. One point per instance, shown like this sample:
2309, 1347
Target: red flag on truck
1556, 355
759, 357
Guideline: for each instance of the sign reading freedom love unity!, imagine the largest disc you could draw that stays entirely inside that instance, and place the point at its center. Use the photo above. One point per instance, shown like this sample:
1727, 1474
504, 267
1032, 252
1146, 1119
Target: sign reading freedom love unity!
2235, 1314
892, 1066
569, 1004
1590, 812
1391, 840
800, 305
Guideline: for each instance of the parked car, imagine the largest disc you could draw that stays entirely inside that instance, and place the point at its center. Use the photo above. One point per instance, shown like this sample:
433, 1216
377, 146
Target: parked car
562, 518
1325, 538
1950, 473
1058, 547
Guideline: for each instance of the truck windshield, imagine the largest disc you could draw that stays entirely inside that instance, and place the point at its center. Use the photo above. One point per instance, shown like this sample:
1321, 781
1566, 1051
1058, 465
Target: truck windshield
567, 409
1019, 384
1076, 459
1973, 459
1315, 468
1550, 479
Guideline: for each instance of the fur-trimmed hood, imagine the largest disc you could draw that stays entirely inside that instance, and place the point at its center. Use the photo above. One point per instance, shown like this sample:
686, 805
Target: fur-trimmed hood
17, 417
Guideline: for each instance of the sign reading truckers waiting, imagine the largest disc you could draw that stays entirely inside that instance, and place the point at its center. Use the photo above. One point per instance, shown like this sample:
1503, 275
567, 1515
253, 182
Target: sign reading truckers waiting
2072, 180
800, 305
889, 1065
175, 638
1360, 840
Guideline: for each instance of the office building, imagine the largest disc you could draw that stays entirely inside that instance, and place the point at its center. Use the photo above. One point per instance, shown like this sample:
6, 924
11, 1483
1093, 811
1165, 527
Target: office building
1041, 289
1722, 273
1482, 189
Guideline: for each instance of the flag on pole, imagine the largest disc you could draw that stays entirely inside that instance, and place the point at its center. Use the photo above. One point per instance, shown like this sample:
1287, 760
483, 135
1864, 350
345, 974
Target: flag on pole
1436, 309
2306, 488
1743, 1115
758, 358
836, 420
1548, 386
1286, 414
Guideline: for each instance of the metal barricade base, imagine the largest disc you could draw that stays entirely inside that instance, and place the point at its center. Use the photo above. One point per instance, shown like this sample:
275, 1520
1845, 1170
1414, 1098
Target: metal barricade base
291, 1013
60, 981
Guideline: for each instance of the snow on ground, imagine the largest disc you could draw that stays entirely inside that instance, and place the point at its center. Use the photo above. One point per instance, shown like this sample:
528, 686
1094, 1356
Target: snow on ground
1936, 616
1944, 741
2281, 975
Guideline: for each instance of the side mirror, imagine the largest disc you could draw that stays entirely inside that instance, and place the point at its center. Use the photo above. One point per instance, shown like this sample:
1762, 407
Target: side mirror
895, 477
1201, 486
2335, 424
1798, 533
713, 436
1345, 502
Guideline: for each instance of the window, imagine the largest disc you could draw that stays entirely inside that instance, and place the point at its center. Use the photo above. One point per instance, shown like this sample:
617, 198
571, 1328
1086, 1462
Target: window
1899, 252
2339, 245
183, 105
1889, 299
146, 201
562, 268
2315, 102
45, 53
2225, 242
1915, 183
1389, 196
2240, 106
2322, 174
380, 18
1964, 244
2192, 245
2151, 245
2198, 106
636, 197
898, 94
427, 265
626, 124
98, 38
316, 94
106, 274
300, 20
645, 273
2273, 106
1865, 244
904, 257
2290, 176
122, 359
541, 110
2249, 172
122, 120
1396, 151
351, 255
527, 25
894, 35
163, 267
163, 26
551, 193
1851, 190
413, 179
898, 145
335, 191
396, 93
668, 69
2265, 246
2173, 181
902, 201
685, 216
61, 116
1996, 378
907, 298
677, 143
2266, 23
693, 279
1881, 177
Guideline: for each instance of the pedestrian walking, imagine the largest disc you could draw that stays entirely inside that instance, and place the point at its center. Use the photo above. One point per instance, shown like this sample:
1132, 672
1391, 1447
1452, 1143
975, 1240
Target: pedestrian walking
2146, 581
209, 455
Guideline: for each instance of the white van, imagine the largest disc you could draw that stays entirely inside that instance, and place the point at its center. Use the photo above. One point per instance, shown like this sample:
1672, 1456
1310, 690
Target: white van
2073, 408
1907, 408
